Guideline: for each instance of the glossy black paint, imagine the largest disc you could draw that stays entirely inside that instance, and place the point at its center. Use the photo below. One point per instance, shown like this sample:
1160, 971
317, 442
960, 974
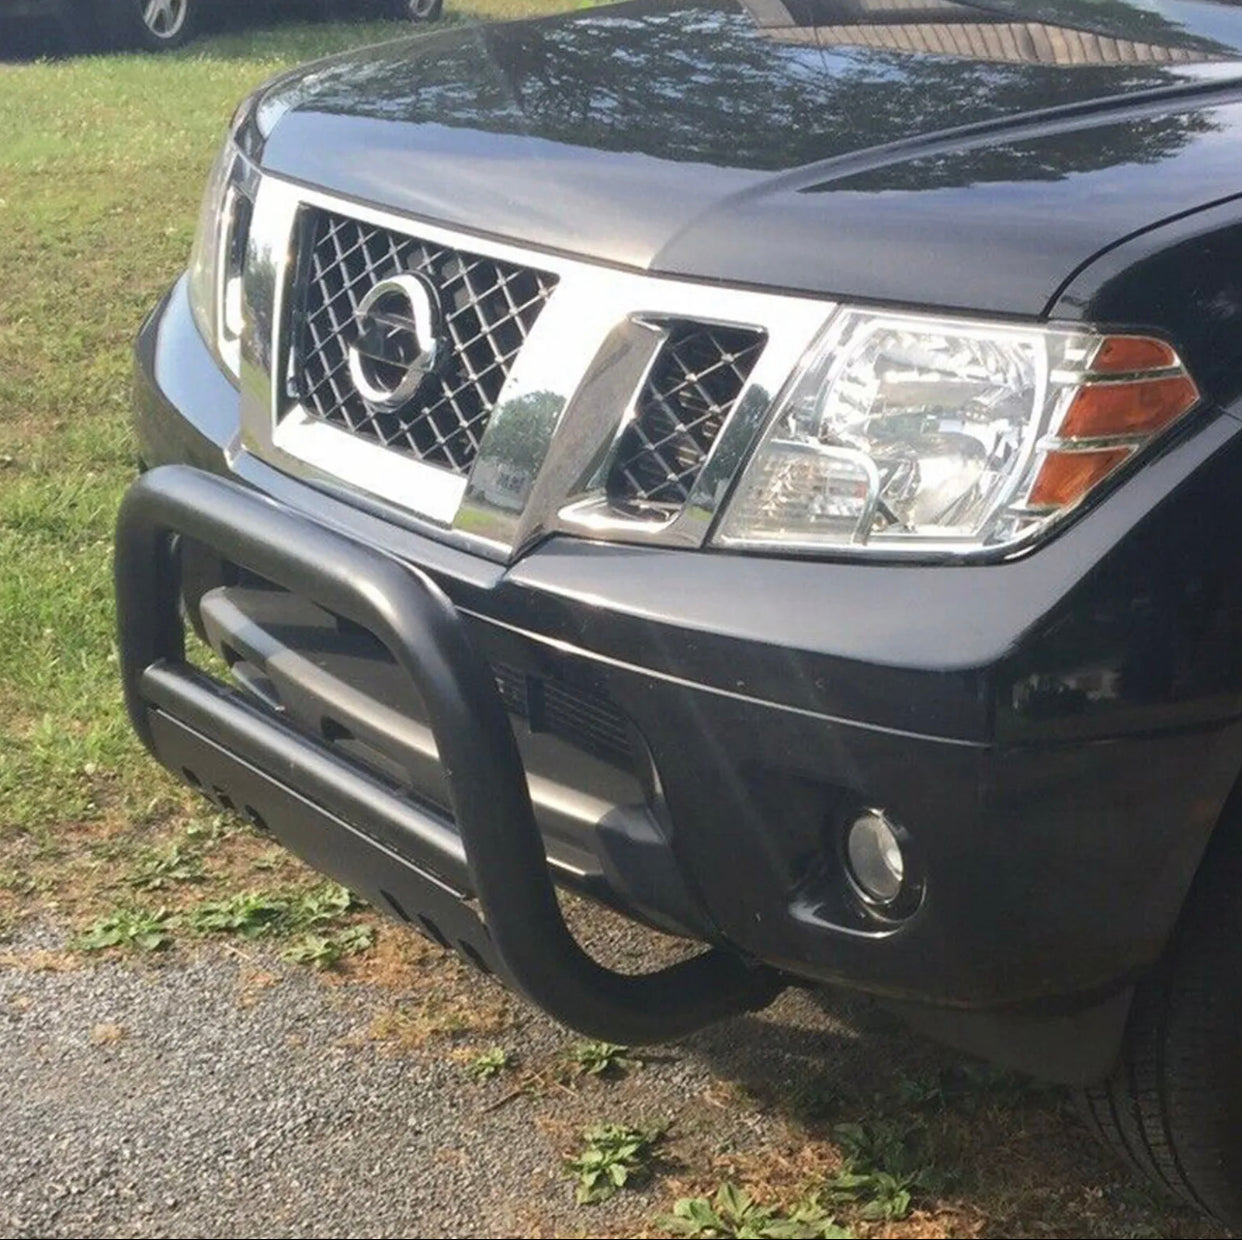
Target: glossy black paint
10, 9
1182, 280
1059, 734
667, 136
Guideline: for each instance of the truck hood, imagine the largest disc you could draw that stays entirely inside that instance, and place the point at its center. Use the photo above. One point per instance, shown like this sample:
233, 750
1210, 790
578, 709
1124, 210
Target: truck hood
920, 151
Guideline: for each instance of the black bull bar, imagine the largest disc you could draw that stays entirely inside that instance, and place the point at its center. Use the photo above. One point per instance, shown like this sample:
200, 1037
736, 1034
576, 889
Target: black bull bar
478, 882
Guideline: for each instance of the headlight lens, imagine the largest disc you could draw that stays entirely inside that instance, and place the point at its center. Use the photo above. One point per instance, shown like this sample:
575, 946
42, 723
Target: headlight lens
218, 258
914, 434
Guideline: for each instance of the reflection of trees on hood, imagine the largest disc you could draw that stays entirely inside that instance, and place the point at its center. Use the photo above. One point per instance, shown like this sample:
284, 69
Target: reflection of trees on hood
703, 83
1141, 140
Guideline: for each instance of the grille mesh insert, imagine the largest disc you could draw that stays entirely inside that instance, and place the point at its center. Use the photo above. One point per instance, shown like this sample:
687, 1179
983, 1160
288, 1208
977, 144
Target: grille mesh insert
488, 309
690, 390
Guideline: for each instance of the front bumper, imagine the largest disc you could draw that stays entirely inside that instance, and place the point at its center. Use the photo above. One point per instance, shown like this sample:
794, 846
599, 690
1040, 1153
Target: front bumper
1055, 734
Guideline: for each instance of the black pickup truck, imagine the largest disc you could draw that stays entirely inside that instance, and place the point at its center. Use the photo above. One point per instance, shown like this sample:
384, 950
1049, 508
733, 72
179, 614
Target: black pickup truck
772, 468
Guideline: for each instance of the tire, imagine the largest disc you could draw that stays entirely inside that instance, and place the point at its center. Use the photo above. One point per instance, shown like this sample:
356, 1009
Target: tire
1173, 1106
154, 25
415, 10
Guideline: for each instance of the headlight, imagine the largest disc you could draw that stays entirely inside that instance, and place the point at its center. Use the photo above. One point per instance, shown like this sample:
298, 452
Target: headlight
914, 434
218, 258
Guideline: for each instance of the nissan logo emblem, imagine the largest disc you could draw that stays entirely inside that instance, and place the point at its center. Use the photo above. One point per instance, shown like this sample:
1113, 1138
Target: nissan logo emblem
399, 340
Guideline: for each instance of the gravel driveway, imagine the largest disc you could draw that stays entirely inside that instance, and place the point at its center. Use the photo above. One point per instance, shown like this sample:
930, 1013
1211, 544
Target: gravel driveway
168, 1101
180, 1099
221, 1092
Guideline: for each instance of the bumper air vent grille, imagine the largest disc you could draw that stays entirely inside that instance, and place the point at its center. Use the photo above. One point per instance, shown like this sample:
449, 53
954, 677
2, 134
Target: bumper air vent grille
586, 720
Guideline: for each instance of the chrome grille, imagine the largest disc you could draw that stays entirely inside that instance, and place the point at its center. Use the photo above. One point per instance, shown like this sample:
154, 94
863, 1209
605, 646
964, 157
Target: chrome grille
690, 390
488, 308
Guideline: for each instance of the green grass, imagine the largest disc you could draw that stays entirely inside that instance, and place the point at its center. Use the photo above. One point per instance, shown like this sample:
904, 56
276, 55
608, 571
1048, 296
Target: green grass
99, 189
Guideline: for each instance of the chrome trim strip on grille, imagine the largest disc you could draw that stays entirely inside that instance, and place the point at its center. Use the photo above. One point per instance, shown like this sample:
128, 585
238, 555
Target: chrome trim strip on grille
369, 466
545, 455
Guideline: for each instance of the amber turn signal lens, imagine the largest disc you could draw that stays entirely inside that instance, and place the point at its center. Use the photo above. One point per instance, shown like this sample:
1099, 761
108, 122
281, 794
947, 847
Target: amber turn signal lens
1137, 408
1119, 417
1120, 355
1065, 477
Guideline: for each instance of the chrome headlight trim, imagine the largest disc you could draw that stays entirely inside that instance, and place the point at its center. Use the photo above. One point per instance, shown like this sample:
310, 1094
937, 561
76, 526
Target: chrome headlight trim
953, 437
216, 271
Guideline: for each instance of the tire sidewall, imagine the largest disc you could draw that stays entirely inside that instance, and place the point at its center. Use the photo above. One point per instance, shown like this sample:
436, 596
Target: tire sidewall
417, 10
1173, 1106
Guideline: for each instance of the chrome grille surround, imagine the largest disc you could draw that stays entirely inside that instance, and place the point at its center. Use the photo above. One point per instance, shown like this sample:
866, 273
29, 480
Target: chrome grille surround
488, 308
691, 389
563, 412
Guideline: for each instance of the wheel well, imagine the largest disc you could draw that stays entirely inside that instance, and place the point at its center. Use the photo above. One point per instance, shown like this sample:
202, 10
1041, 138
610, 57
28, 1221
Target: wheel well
1223, 845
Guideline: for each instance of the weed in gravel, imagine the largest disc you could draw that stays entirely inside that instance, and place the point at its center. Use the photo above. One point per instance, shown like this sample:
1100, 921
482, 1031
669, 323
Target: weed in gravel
256, 913
732, 1212
128, 927
612, 1156
322, 904
602, 1059
322, 951
174, 865
886, 1166
213, 829
248, 914
489, 1063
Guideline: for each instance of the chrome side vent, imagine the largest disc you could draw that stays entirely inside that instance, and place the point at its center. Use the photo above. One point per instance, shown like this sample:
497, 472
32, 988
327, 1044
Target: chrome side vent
690, 391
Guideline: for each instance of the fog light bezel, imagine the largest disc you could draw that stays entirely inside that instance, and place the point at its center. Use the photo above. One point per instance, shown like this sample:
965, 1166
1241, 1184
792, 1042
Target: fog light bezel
911, 891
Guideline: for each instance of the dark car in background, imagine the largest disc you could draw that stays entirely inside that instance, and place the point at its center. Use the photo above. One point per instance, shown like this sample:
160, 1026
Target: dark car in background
774, 470
161, 25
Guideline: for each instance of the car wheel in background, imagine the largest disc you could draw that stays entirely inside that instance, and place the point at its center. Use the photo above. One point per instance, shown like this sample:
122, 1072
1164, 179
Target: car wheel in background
416, 10
157, 25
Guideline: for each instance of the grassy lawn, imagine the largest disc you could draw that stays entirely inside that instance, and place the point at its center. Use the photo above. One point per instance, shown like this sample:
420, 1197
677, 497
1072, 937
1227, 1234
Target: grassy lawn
99, 185
100, 173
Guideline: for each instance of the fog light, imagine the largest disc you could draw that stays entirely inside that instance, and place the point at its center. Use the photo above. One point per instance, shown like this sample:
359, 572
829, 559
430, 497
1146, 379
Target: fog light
874, 855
